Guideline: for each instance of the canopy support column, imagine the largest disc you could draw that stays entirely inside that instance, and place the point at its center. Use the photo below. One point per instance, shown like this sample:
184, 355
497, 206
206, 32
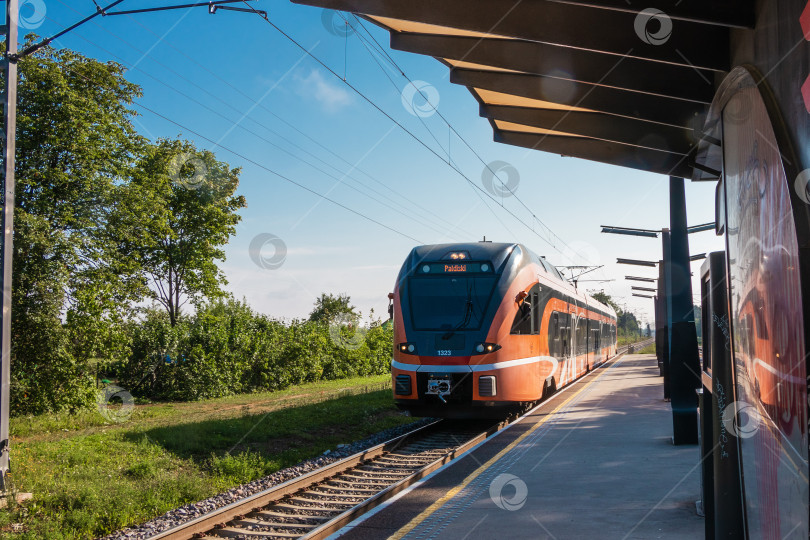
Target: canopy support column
684, 363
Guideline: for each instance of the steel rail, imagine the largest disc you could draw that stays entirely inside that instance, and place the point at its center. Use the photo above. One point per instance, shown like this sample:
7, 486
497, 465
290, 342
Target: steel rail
217, 519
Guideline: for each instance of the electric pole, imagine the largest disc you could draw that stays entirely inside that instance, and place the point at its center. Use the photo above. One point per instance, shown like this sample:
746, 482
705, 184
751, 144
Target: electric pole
9, 139
8, 64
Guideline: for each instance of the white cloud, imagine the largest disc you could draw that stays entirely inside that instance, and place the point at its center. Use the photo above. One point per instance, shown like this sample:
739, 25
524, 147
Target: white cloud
331, 96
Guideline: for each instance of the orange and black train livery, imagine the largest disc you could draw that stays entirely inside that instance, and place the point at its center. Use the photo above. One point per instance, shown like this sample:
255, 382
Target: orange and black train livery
483, 328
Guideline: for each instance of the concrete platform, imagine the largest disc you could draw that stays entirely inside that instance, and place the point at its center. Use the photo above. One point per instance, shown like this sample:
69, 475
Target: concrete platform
595, 461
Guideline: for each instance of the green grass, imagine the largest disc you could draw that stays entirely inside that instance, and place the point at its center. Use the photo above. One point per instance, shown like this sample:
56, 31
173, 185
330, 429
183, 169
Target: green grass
621, 341
649, 349
90, 478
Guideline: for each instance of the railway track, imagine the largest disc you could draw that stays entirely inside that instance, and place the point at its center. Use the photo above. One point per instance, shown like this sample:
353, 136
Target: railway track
317, 504
637, 346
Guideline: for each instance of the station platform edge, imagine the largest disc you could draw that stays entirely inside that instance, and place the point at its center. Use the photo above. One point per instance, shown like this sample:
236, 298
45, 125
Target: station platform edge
594, 461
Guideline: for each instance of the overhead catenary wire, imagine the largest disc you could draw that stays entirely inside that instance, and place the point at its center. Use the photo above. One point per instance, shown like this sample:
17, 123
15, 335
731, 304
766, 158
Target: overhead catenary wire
271, 171
400, 197
264, 16
377, 47
393, 206
366, 98
406, 130
463, 140
449, 160
419, 117
276, 173
427, 128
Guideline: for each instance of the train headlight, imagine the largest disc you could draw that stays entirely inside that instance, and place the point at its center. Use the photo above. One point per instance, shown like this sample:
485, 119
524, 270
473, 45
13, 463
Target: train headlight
407, 348
485, 348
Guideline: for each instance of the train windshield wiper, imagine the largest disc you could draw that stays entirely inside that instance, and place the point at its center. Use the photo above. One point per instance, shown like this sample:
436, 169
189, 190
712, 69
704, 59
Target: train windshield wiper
468, 311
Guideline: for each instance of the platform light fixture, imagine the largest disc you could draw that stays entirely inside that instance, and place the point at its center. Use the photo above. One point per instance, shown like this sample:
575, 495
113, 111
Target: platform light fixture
645, 279
637, 262
647, 233
701, 228
653, 233
648, 289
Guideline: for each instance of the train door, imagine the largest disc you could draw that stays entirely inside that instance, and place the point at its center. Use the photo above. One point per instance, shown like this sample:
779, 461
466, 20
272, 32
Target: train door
576, 324
586, 360
565, 334
581, 354
566, 339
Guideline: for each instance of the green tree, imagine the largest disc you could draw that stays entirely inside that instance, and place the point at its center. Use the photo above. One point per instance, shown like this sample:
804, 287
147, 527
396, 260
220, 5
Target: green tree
628, 324
187, 208
329, 306
605, 298
72, 282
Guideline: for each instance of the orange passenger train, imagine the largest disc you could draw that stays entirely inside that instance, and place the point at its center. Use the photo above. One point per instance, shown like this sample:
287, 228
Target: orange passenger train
482, 329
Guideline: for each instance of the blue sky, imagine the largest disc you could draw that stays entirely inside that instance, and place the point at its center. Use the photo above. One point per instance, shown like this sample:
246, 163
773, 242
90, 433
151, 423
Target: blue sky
245, 88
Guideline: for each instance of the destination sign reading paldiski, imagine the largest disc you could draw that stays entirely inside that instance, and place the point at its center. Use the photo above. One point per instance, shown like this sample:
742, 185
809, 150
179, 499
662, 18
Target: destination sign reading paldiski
454, 268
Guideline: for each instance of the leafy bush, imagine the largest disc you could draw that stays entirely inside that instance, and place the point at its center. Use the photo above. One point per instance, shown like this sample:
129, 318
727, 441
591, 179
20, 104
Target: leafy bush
226, 348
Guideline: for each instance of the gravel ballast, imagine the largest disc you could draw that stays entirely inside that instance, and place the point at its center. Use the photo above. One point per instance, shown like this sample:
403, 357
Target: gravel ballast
194, 510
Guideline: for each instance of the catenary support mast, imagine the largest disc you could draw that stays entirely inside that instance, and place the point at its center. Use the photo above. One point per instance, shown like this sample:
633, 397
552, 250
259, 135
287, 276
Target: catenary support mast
9, 132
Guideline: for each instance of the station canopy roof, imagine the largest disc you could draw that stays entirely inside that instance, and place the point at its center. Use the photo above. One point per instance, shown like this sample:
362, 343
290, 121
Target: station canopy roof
602, 80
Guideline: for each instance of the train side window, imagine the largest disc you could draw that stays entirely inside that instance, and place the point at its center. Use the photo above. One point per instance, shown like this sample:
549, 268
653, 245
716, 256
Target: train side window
523, 318
565, 335
527, 318
582, 336
554, 342
537, 314
761, 326
748, 336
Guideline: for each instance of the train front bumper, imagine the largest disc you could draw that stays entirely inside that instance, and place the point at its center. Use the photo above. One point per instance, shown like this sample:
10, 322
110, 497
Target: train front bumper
464, 390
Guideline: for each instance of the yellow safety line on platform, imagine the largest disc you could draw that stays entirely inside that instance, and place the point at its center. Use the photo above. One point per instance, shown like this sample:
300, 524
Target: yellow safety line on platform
412, 524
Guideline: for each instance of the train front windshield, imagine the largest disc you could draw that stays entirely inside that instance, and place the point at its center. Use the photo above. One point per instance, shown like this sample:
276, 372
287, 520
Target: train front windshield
449, 302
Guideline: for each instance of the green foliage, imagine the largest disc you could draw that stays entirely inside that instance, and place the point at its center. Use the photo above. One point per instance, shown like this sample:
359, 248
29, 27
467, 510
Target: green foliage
605, 298
240, 468
100, 215
649, 349
225, 348
91, 481
185, 204
628, 327
75, 142
628, 324
328, 307
105, 219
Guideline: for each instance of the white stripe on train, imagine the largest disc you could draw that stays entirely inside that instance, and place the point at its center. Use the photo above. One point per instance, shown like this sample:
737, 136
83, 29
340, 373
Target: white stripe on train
476, 367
